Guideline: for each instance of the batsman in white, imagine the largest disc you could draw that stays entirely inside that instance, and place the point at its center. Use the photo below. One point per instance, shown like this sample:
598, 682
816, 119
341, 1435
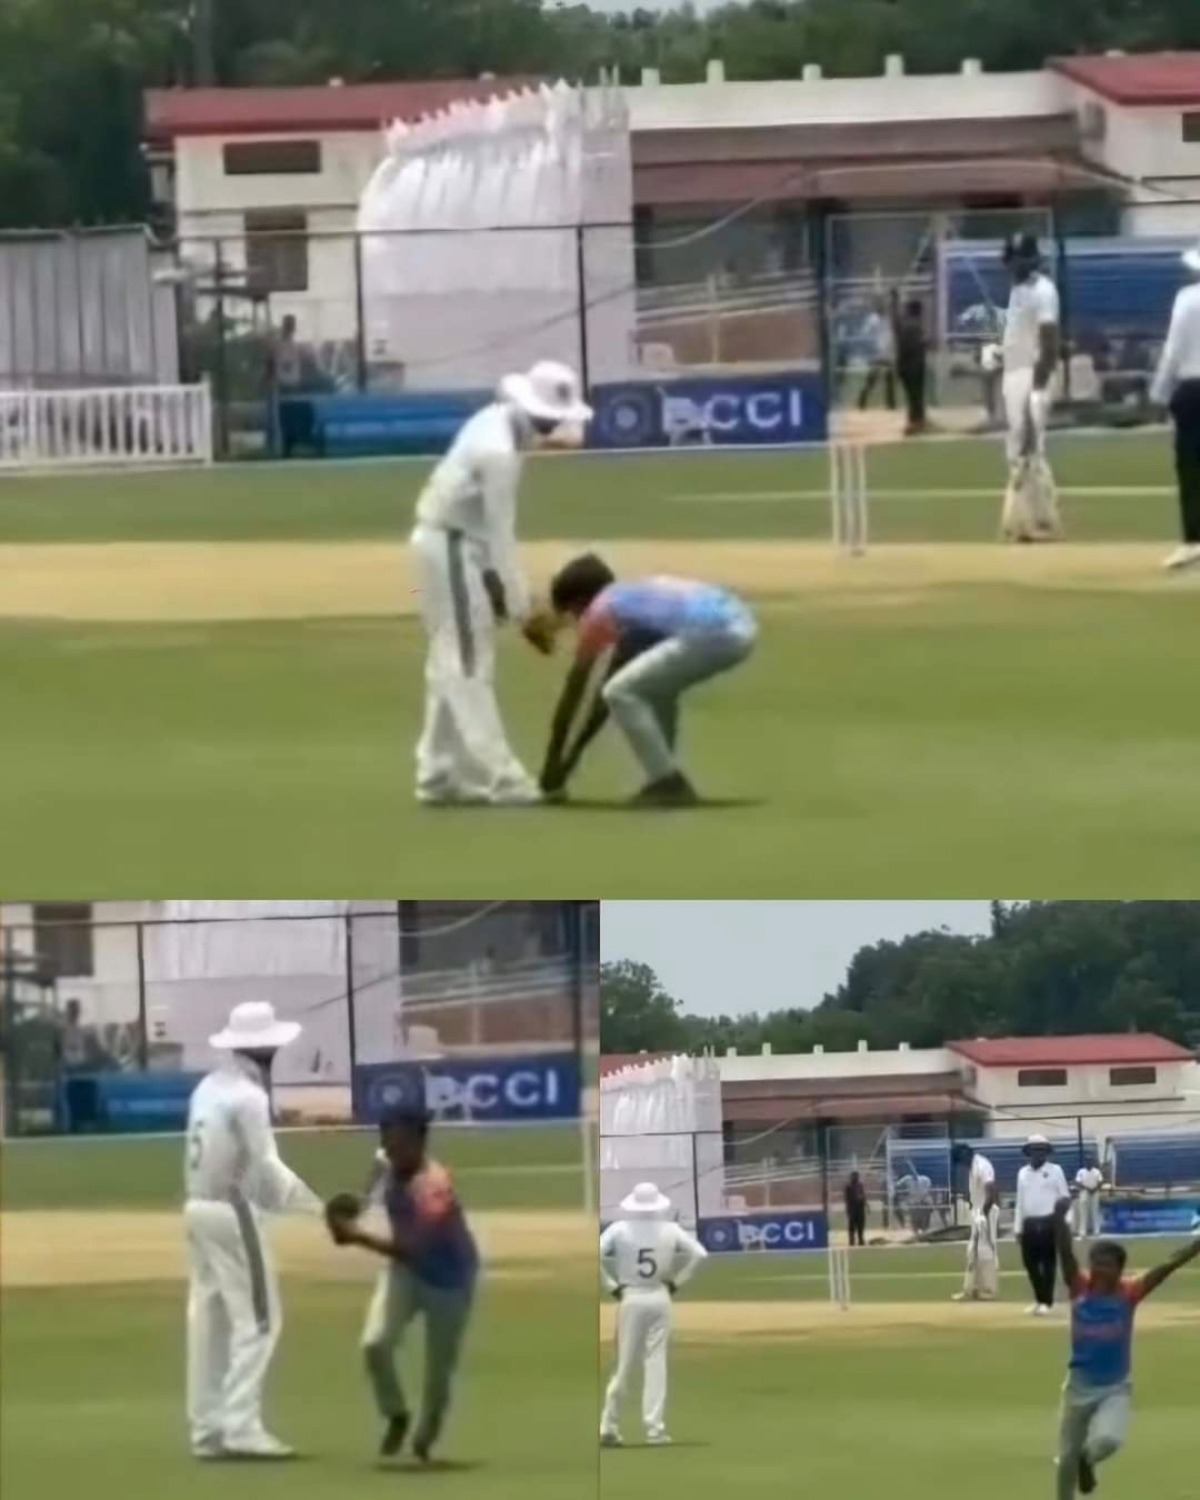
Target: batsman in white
469, 579
1030, 354
981, 1281
645, 1257
233, 1174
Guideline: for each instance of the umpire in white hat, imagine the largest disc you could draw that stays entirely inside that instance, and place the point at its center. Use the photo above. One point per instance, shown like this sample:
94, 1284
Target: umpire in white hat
1177, 386
233, 1175
1041, 1186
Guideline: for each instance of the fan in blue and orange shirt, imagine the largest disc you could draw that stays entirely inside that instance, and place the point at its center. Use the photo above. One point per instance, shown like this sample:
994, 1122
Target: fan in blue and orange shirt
649, 640
1097, 1395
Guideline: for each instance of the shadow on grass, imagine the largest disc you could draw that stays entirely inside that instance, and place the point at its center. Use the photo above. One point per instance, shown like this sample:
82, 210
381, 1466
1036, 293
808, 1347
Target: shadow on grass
433, 1468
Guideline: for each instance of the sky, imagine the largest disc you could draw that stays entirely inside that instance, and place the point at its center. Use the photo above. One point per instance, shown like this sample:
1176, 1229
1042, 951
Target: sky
727, 957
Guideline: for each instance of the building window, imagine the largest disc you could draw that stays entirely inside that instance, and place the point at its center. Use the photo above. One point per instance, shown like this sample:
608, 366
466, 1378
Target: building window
1042, 1078
272, 158
62, 938
1191, 127
1130, 1078
277, 250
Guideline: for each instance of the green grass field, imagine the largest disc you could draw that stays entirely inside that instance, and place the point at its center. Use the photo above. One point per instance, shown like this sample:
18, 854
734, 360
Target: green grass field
91, 1329
944, 714
905, 1396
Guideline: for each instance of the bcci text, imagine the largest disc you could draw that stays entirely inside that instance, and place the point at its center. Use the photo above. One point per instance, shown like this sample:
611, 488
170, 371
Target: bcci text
795, 1231
520, 1088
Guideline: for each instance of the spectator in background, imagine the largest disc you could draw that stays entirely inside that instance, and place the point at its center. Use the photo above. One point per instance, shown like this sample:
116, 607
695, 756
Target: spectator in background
293, 416
74, 1044
879, 345
911, 362
856, 1209
75, 1054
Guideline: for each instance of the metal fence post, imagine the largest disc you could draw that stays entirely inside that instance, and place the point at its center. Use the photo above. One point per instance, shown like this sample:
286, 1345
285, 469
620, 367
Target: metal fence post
585, 374
360, 316
8, 1040
352, 1037
143, 1047
220, 361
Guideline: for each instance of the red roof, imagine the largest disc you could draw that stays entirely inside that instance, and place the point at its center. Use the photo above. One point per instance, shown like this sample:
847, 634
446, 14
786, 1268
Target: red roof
359, 106
1164, 78
1065, 1051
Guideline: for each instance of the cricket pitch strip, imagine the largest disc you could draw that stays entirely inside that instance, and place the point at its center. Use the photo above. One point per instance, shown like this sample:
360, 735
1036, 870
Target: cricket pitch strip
199, 582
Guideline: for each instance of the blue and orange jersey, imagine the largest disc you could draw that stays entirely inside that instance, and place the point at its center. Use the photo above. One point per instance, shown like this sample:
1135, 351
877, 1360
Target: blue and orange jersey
1102, 1331
659, 607
427, 1214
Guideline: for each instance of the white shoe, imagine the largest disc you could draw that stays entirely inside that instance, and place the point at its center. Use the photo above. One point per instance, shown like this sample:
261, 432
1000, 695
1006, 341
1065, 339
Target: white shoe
658, 1438
1185, 556
1041, 1311
963, 1297
208, 1449
1033, 1309
444, 794
610, 1439
263, 1446
519, 794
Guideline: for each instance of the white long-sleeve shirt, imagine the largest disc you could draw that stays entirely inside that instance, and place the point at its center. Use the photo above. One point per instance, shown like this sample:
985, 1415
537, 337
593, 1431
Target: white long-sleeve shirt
230, 1149
1039, 1192
643, 1255
1032, 306
473, 490
981, 1177
1181, 353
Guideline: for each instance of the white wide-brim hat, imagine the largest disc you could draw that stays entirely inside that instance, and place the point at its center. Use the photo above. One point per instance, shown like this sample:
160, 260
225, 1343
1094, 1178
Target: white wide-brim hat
254, 1027
645, 1199
549, 392
1191, 259
1037, 1140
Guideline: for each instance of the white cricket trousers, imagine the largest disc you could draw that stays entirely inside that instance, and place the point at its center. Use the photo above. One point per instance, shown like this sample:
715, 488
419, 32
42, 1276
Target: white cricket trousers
1087, 1215
643, 1334
982, 1278
233, 1322
1025, 435
463, 751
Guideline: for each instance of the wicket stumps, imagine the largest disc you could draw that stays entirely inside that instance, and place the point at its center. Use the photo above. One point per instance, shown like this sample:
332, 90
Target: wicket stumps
839, 1276
848, 496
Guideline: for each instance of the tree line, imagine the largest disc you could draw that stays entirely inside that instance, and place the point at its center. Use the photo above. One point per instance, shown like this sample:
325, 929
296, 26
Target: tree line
1044, 969
72, 72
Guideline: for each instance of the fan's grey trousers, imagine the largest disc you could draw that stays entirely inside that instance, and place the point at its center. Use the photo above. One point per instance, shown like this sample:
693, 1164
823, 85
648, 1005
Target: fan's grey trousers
643, 697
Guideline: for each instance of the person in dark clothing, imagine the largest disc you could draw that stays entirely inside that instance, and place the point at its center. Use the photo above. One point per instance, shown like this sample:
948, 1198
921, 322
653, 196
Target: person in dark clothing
1176, 385
911, 363
856, 1209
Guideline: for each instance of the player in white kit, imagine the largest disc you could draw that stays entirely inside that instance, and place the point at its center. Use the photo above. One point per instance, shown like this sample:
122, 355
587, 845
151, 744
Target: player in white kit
645, 1257
1030, 354
1089, 1181
982, 1278
233, 1174
469, 578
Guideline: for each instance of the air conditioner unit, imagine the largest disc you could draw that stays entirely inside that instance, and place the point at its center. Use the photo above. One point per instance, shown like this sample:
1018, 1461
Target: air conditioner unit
1093, 122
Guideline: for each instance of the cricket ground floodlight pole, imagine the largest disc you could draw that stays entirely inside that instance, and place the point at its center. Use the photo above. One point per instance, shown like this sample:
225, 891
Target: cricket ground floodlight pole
839, 1275
848, 496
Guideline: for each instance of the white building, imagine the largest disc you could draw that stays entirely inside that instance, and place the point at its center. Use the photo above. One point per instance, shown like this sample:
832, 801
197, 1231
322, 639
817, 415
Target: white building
275, 175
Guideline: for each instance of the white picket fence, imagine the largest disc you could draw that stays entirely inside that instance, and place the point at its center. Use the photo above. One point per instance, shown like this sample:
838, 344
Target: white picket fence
119, 426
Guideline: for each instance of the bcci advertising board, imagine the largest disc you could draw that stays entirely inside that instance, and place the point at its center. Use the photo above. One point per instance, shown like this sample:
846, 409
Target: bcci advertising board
1149, 1216
535, 1087
739, 412
796, 1231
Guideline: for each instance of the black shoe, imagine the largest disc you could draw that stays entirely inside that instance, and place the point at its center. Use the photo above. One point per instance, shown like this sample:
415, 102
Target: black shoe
1087, 1477
669, 791
393, 1438
421, 1450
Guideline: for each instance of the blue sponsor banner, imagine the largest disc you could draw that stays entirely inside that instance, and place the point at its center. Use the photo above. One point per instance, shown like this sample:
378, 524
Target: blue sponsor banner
1147, 1216
786, 408
127, 1102
536, 1087
363, 424
807, 1230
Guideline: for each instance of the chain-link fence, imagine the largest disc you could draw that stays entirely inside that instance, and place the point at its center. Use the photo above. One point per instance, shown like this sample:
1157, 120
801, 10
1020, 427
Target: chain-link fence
890, 307
914, 1185
371, 983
